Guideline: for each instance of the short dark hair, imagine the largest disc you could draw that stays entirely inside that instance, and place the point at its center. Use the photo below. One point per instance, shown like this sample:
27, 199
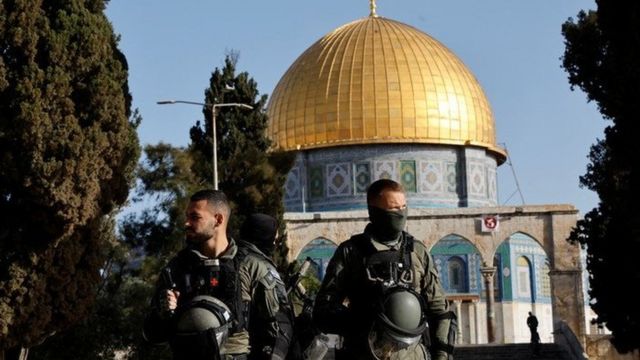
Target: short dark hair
379, 186
214, 198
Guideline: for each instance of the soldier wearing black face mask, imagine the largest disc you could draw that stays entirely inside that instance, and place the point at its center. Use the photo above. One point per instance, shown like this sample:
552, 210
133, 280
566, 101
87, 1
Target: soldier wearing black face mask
381, 291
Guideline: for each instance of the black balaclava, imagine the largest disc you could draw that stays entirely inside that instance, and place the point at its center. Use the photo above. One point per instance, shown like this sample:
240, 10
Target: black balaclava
260, 230
387, 225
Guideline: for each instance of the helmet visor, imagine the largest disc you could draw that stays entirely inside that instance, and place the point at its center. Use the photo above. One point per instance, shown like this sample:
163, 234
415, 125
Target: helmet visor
384, 342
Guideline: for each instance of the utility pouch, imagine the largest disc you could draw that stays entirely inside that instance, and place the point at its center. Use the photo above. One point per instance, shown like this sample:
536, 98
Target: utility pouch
448, 347
453, 331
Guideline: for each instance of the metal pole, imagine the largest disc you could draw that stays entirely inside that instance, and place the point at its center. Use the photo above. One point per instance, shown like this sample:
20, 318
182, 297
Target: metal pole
215, 147
213, 127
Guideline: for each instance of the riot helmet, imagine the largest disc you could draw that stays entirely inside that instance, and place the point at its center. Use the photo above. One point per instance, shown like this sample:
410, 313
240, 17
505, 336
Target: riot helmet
399, 322
204, 313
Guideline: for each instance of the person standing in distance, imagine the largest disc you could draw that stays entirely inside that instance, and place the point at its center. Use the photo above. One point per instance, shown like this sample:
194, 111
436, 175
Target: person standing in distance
532, 323
381, 291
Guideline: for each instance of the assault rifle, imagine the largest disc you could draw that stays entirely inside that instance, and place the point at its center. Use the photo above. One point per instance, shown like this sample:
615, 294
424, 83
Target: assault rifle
313, 343
294, 283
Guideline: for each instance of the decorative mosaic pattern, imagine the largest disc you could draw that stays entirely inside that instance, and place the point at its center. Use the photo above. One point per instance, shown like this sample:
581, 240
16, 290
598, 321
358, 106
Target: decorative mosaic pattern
524, 246
451, 176
292, 186
441, 181
408, 175
387, 169
545, 281
431, 177
476, 179
316, 182
454, 245
474, 266
362, 177
338, 180
491, 184
438, 260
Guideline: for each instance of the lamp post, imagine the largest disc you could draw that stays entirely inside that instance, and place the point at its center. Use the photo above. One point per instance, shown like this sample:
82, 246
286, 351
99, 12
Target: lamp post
213, 126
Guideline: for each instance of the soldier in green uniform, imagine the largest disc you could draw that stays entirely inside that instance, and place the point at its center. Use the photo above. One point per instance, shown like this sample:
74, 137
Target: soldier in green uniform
207, 291
271, 325
381, 291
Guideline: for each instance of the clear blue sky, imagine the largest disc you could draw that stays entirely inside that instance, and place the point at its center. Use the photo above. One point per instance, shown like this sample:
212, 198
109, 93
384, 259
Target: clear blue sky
512, 47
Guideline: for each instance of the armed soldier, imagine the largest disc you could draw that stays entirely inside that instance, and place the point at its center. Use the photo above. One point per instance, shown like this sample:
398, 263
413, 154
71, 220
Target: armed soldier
381, 291
206, 293
272, 317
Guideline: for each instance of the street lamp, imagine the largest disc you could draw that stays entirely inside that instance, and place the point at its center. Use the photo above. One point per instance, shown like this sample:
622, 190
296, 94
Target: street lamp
213, 126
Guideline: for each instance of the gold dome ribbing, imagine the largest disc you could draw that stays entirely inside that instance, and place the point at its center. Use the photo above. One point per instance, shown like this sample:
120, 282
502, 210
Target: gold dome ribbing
377, 80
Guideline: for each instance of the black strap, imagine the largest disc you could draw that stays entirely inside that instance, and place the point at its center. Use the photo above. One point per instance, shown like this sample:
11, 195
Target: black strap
449, 315
438, 345
240, 307
370, 255
407, 249
363, 243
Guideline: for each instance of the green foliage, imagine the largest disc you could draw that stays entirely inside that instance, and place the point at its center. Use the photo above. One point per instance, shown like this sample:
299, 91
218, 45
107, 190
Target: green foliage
250, 174
165, 176
68, 149
113, 327
602, 57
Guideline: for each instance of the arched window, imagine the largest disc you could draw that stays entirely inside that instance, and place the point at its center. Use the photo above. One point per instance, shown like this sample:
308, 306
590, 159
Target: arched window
524, 278
457, 275
320, 250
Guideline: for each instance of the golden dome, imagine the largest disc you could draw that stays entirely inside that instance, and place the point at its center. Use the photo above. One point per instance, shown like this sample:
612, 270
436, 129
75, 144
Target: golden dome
376, 81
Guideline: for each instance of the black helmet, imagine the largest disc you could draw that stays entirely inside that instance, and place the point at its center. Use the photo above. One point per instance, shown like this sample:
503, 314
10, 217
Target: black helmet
399, 322
203, 313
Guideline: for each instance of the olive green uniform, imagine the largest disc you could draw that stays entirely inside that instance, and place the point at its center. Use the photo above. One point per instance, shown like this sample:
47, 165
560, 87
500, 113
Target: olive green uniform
252, 288
271, 317
343, 305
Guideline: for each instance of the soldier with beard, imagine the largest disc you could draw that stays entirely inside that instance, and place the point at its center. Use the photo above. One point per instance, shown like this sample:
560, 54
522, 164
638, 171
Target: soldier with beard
205, 294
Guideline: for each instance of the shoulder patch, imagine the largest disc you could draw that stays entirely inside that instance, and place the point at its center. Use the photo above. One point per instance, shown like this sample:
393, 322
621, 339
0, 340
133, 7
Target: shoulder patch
270, 280
272, 275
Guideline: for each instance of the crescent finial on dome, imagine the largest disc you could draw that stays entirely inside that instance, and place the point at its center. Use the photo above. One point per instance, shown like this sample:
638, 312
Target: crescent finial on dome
372, 7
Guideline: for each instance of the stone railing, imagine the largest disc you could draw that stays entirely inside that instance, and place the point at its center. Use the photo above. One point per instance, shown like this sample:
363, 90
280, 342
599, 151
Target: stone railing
564, 336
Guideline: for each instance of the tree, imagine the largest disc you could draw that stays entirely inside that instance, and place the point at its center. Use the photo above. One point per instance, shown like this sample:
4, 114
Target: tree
144, 244
602, 57
68, 149
251, 175
112, 329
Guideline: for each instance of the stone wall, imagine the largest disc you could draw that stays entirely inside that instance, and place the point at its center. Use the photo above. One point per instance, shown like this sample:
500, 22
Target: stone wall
549, 225
599, 347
